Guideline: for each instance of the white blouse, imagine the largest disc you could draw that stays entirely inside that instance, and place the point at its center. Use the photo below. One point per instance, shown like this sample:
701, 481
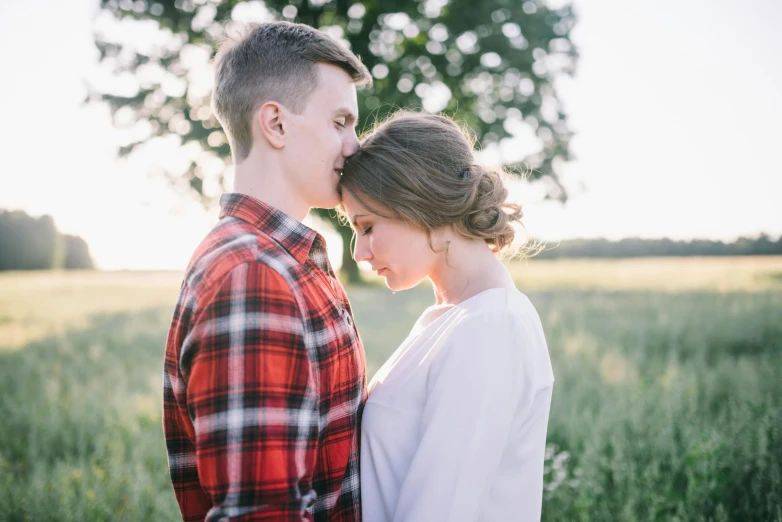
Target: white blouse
455, 425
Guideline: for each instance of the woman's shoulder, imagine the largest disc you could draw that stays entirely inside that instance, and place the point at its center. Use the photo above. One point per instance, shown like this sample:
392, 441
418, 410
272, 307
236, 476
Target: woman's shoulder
501, 325
496, 305
433, 313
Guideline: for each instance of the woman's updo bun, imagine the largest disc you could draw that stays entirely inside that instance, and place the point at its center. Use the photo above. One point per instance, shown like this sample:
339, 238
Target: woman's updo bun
489, 215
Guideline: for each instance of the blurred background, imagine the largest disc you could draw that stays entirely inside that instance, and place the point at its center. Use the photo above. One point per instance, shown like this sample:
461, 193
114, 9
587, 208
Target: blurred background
640, 138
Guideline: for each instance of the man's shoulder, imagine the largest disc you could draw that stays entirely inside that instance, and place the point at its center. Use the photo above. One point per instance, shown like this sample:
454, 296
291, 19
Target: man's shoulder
230, 244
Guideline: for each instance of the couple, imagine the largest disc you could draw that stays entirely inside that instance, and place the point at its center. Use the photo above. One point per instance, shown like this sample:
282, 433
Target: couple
266, 410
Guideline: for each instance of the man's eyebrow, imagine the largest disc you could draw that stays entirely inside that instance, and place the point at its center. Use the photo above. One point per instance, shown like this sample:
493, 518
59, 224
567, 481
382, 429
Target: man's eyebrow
349, 114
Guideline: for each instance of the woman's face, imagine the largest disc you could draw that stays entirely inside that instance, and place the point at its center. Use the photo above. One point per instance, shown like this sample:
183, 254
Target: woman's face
395, 249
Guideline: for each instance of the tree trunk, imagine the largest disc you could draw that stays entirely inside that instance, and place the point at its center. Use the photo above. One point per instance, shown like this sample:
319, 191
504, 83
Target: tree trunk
350, 272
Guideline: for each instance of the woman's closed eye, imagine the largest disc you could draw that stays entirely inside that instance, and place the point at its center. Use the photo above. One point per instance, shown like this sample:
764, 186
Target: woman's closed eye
366, 231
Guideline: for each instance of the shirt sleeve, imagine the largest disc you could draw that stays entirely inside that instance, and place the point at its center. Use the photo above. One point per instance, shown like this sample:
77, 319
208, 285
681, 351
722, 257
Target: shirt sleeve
251, 396
476, 384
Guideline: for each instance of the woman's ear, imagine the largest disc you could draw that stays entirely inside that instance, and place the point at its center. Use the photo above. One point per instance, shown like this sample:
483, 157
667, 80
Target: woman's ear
440, 239
272, 119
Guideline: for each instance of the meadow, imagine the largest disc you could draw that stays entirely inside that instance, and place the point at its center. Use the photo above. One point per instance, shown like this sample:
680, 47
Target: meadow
667, 404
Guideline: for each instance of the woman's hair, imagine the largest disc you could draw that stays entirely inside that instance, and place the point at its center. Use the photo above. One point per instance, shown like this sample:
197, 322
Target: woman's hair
421, 168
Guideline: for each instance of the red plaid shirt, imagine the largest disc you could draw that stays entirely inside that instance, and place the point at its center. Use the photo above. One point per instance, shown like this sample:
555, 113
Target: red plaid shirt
264, 376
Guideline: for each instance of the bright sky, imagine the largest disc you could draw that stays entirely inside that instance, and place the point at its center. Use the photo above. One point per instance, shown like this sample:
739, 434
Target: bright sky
676, 106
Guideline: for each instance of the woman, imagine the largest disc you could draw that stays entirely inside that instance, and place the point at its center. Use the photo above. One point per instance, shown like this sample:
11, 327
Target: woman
455, 425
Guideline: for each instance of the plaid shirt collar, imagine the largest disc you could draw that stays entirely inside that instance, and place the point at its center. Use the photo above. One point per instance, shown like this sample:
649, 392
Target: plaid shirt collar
295, 237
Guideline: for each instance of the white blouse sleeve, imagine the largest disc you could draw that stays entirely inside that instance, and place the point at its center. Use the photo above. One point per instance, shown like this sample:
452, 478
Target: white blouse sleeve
477, 383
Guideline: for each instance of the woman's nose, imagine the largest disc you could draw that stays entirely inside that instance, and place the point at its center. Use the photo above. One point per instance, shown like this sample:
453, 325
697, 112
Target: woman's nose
361, 251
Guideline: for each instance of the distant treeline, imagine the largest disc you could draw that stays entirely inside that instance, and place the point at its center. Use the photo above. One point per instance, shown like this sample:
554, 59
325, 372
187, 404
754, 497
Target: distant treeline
30, 243
637, 247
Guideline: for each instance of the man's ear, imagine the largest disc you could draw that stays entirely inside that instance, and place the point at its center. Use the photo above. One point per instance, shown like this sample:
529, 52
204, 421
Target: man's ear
272, 119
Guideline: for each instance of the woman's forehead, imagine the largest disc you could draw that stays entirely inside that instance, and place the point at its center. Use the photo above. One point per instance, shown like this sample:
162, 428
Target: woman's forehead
353, 206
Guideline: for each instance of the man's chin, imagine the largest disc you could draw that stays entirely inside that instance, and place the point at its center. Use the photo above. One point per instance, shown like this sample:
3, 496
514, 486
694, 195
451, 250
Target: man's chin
329, 205
327, 201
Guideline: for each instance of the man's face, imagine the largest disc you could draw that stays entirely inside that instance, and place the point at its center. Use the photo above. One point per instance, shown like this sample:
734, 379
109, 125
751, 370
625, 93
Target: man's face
322, 137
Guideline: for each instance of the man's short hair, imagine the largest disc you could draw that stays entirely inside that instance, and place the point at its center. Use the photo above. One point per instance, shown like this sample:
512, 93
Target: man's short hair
273, 62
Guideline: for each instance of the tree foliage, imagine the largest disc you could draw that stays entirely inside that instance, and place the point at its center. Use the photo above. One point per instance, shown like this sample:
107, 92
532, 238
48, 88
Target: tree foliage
763, 245
34, 243
491, 64
77, 254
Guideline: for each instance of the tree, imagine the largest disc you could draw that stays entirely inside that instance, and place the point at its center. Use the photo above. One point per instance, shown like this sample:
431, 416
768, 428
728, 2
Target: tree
34, 243
637, 247
77, 254
491, 64
28, 243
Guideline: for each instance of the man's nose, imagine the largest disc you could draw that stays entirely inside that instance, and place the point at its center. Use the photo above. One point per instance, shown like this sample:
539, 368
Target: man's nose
351, 145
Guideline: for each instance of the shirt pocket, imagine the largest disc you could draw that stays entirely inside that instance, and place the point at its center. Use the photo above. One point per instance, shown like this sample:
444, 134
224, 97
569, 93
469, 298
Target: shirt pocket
348, 348
337, 344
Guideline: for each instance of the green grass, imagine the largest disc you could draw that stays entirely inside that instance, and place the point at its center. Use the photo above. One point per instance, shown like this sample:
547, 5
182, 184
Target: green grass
667, 405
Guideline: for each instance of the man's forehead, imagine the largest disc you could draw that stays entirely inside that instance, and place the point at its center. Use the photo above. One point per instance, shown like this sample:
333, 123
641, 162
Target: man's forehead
337, 85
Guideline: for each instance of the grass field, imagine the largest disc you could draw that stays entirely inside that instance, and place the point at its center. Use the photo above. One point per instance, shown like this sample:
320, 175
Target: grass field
667, 405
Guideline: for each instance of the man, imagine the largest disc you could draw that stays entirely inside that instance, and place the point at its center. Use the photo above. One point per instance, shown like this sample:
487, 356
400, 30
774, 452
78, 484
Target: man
264, 373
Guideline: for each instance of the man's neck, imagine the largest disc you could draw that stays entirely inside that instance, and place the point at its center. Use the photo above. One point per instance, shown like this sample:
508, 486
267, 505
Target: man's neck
268, 184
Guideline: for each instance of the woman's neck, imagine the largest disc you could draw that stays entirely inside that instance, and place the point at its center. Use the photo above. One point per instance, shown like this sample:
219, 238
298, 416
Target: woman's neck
471, 268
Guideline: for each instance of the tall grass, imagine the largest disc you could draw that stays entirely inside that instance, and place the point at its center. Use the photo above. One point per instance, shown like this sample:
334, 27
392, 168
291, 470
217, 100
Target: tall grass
667, 404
